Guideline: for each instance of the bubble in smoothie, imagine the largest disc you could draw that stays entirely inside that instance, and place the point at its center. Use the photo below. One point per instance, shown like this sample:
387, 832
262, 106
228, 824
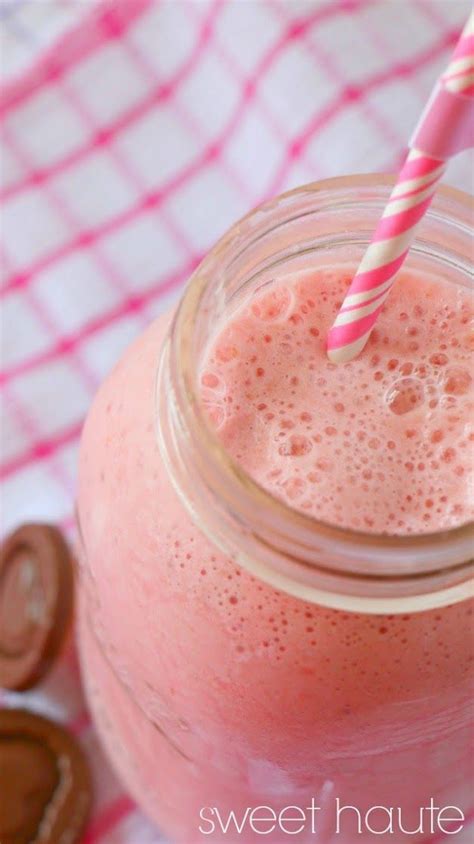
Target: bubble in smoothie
213, 383
228, 347
296, 446
456, 381
274, 305
405, 395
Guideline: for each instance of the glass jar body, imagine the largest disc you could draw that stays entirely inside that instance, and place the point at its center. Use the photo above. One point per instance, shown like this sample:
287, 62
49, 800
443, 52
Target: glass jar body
215, 692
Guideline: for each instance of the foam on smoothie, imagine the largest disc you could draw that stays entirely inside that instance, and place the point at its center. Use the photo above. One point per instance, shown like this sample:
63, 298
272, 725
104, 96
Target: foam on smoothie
383, 443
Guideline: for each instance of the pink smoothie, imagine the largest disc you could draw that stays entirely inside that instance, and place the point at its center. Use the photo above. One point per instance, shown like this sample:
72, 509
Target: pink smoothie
214, 690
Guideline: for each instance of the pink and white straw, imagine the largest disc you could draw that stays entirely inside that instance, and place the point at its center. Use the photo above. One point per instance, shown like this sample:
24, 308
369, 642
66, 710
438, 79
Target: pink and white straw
446, 127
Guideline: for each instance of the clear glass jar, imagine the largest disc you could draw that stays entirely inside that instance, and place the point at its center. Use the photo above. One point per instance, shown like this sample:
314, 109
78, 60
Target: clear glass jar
190, 572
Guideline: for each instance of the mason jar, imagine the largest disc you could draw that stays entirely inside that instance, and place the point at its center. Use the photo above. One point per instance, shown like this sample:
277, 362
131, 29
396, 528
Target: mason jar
239, 655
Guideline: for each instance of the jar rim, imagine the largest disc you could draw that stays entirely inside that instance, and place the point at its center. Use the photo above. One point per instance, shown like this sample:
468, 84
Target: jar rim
365, 180
222, 469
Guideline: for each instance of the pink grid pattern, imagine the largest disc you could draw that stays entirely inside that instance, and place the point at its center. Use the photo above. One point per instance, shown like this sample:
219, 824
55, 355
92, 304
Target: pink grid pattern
128, 147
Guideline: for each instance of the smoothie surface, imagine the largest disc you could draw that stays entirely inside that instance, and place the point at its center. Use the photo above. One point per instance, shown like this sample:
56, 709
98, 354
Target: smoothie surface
383, 443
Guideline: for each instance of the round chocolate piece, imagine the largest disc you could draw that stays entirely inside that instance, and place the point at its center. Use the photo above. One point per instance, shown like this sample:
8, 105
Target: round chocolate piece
36, 599
44, 781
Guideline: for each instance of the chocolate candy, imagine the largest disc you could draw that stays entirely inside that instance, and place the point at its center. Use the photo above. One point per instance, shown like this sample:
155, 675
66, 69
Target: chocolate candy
36, 599
44, 781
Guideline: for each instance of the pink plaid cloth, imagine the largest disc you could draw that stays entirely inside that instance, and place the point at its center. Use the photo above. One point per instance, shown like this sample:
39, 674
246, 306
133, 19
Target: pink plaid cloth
133, 134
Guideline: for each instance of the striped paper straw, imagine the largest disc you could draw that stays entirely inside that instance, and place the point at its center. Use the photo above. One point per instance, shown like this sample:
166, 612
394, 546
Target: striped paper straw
446, 127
